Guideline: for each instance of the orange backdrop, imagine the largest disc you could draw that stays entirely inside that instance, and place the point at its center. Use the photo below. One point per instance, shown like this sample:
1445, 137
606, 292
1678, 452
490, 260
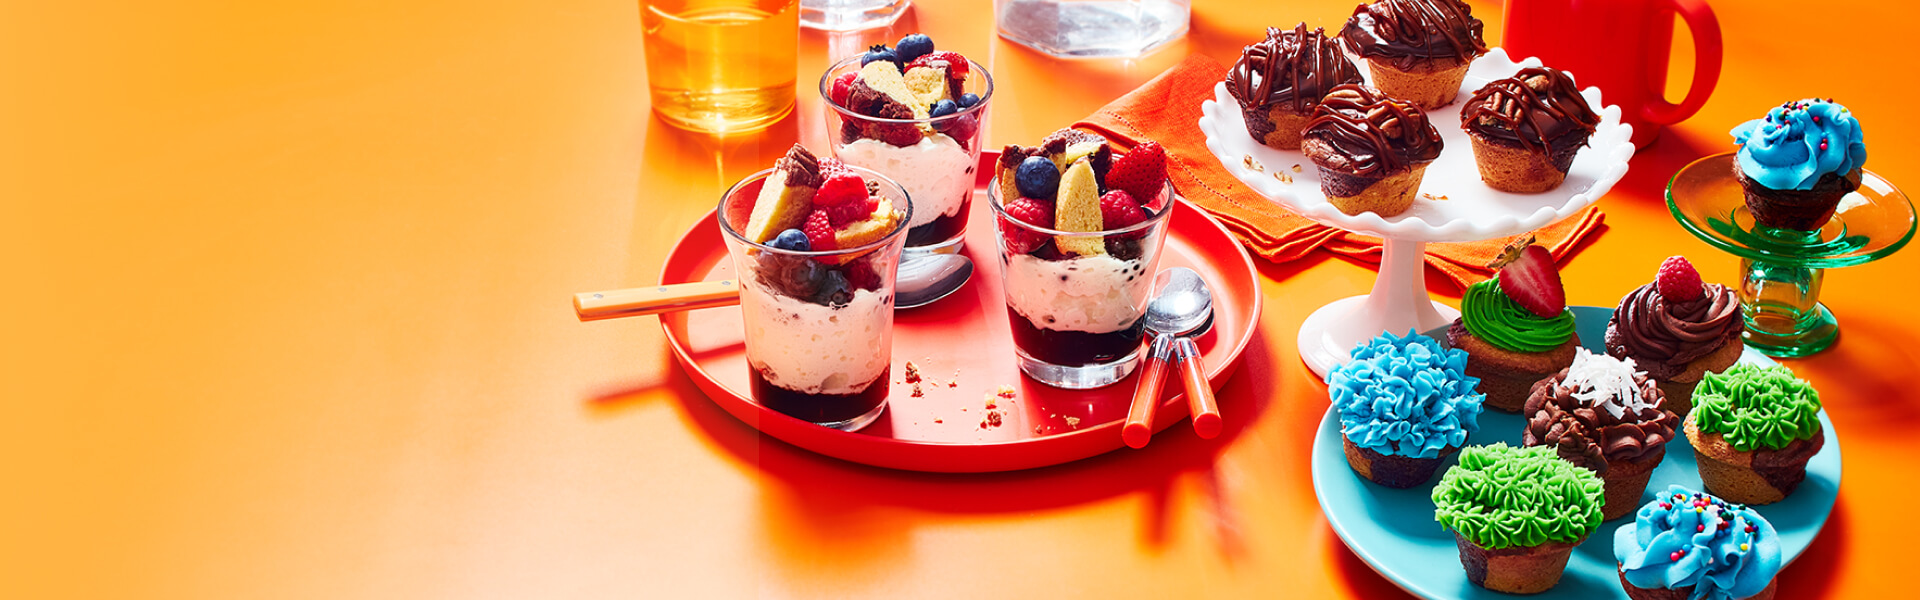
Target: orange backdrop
287, 317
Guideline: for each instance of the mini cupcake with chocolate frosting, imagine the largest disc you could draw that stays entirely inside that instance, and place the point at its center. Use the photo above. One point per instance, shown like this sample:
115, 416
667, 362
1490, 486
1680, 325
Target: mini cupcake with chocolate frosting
1690, 545
1602, 415
1677, 329
1281, 79
1372, 150
1418, 50
1797, 163
1527, 128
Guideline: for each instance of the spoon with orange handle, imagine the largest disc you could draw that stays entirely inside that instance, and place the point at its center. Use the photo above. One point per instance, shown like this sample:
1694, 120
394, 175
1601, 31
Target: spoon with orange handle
921, 280
1182, 307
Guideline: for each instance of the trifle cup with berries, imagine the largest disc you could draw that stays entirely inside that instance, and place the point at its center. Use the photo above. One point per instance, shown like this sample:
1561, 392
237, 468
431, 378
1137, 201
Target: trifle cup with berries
815, 244
914, 114
1080, 227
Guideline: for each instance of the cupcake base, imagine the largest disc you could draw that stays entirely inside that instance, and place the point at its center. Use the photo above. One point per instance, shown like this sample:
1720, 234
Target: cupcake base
1626, 482
1679, 386
1683, 593
1752, 477
1527, 570
1512, 168
1426, 88
1801, 210
1274, 125
1385, 196
1392, 470
1507, 377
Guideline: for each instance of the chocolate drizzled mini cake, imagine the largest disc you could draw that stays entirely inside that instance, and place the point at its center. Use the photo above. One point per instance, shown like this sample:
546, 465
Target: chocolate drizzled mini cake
1281, 79
1418, 50
1372, 150
1527, 128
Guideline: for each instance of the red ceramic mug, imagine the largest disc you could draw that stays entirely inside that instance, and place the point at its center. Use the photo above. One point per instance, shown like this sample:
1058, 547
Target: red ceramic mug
1621, 46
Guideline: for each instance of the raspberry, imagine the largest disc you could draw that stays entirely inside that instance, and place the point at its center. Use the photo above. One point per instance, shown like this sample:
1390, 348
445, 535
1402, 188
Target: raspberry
1118, 210
1678, 281
862, 275
1142, 172
853, 210
955, 63
1038, 213
842, 86
819, 229
830, 165
841, 187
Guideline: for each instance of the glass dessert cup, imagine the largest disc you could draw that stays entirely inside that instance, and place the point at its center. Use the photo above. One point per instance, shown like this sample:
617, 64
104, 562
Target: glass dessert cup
1078, 319
937, 169
819, 324
1782, 269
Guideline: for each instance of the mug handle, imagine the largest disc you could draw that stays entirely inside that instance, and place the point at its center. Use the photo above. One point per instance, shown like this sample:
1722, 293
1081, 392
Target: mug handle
1706, 73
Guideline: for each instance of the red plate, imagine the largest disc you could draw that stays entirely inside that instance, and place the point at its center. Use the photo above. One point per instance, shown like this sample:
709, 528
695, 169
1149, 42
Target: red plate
963, 350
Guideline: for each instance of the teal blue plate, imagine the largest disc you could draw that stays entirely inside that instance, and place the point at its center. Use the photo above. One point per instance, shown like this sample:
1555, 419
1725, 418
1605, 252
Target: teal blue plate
1394, 531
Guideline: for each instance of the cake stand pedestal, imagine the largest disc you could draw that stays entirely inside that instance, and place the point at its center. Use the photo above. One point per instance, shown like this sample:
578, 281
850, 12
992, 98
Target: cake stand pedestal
1782, 269
1454, 206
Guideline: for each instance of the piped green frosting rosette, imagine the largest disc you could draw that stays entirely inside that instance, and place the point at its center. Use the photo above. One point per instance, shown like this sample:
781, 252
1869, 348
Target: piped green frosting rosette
1490, 315
1500, 496
1757, 407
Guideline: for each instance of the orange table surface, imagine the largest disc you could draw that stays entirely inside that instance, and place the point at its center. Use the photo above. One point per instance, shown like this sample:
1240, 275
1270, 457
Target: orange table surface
287, 317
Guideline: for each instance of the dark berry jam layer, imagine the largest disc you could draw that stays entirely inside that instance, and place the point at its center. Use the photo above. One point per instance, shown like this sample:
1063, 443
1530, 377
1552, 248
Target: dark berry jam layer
941, 229
819, 408
1075, 348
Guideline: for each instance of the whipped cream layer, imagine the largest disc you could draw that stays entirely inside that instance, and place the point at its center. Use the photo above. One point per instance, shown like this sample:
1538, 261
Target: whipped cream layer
1091, 294
936, 172
816, 349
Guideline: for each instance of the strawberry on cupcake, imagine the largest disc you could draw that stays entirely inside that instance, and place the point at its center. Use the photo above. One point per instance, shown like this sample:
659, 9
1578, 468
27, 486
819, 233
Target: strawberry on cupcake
1515, 327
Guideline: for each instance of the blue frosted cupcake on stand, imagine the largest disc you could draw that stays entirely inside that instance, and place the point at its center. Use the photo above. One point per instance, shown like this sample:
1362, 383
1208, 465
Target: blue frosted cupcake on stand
1689, 545
1404, 402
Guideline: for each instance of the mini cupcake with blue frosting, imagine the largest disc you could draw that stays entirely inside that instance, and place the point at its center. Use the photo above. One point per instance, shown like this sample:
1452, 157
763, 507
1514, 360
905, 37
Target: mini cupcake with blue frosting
1405, 402
1798, 162
1695, 546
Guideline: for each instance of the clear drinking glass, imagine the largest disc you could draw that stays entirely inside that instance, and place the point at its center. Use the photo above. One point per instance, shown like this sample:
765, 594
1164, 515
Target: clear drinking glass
936, 164
1089, 28
850, 15
721, 66
819, 325
1077, 313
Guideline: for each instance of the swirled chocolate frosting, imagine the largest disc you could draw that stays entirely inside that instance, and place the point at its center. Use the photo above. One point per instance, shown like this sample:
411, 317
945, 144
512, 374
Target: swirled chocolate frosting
1371, 134
1415, 33
1662, 337
1591, 436
1296, 68
1538, 108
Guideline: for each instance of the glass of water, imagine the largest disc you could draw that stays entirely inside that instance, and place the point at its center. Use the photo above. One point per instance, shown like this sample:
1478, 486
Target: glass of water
1093, 28
850, 15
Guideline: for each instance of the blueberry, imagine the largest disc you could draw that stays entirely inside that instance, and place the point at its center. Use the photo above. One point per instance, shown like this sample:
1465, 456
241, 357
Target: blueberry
791, 239
940, 109
969, 99
1037, 177
915, 45
880, 52
834, 290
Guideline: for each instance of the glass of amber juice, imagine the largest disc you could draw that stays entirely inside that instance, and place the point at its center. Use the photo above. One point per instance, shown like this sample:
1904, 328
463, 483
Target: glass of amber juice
721, 66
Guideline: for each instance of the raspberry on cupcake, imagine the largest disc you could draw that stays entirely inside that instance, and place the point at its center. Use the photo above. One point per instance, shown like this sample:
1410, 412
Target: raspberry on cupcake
1602, 415
1527, 128
1795, 164
1279, 80
1688, 544
1405, 402
1516, 515
1418, 50
1753, 430
1677, 329
1372, 150
1515, 327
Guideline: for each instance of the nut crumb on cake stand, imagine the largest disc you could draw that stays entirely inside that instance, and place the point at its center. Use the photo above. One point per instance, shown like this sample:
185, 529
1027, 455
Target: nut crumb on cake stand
1454, 206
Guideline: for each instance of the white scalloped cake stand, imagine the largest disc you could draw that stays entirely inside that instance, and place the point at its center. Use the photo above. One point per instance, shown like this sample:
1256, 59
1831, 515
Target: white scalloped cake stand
1471, 211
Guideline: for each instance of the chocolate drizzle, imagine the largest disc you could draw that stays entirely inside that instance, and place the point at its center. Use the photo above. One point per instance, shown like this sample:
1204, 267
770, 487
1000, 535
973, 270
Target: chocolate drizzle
1538, 108
1662, 337
1369, 133
1415, 33
1592, 437
1296, 68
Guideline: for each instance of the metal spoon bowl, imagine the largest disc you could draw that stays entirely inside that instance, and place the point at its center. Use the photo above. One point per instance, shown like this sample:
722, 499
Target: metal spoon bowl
1183, 305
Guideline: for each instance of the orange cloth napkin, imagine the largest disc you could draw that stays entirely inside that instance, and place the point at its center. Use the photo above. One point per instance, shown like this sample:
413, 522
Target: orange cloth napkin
1167, 110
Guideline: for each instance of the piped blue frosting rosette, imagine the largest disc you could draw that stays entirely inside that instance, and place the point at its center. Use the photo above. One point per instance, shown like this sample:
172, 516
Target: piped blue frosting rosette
1798, 142
1687, 538
1406, 396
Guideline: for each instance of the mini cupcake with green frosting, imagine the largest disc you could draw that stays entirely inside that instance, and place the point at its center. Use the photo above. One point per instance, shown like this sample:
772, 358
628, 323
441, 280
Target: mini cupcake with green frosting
1404, 404
1515, 328
1516, 514
1753, 430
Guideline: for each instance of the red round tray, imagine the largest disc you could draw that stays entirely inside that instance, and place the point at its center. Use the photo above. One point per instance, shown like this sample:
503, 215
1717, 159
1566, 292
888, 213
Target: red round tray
963, 350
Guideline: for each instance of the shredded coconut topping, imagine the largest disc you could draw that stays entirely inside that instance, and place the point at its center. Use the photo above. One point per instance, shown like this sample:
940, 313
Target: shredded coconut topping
1605, 382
